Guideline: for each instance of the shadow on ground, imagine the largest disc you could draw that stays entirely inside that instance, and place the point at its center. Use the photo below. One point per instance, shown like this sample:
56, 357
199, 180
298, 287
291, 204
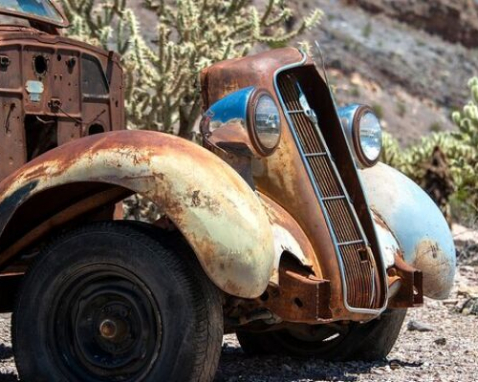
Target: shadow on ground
5, 352
237, 366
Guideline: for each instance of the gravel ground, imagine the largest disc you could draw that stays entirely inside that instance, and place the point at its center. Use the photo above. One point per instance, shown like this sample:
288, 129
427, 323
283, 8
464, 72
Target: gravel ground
446, 353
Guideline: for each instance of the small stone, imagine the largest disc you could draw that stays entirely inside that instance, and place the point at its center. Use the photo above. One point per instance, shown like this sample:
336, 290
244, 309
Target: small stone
450, 302
468, 291
419, 326
394, 365
440, 341
470, 307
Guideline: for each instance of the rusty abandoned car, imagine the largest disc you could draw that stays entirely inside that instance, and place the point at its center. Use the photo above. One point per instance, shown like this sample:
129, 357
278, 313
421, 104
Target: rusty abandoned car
283, 228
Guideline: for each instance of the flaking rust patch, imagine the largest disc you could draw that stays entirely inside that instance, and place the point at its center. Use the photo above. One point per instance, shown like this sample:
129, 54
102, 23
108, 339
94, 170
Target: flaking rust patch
196, 200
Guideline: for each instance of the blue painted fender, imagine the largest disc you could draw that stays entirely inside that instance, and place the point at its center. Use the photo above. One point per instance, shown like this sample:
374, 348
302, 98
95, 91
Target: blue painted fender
416, 223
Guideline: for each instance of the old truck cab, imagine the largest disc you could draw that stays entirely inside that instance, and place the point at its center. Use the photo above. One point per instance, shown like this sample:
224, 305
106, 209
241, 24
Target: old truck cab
284, 228
53, 90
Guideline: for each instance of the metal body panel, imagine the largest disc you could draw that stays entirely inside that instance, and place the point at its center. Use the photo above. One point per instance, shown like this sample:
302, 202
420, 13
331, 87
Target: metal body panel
57, 96
218, 213
289, 237
226, 77
417, 224
281, 175
388, 243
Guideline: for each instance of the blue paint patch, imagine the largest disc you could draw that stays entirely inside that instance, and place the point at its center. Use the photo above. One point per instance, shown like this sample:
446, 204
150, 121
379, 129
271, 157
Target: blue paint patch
233, 106
9, 205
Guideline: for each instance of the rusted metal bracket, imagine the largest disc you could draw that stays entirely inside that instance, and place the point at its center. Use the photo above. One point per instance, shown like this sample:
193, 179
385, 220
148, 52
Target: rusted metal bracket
300, 298
409, 282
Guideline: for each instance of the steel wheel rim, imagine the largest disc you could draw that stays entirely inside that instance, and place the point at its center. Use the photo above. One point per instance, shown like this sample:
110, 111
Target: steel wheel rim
105, 325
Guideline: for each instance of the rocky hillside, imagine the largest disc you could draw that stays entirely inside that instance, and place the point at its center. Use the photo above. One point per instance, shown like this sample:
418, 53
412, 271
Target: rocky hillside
412, 78
455, 21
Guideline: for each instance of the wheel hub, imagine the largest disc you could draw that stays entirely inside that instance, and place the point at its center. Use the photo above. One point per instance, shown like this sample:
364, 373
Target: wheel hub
109, 329
107, 326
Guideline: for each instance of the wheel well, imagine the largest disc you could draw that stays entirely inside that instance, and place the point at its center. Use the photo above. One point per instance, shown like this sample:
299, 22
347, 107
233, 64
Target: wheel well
47, 213
290, 260
56, 208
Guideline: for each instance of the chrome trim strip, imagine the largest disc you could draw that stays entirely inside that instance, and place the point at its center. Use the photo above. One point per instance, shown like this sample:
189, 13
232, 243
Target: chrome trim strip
317, 192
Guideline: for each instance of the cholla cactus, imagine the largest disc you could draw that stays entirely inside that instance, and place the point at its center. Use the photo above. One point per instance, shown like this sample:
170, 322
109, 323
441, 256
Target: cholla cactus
392, 153
162, 71
466, 155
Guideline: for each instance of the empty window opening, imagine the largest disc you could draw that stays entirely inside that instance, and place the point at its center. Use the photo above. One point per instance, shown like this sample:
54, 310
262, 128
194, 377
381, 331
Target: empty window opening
41, 135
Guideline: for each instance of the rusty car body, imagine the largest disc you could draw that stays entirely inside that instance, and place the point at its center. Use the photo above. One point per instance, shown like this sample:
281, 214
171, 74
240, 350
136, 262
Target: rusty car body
307, 240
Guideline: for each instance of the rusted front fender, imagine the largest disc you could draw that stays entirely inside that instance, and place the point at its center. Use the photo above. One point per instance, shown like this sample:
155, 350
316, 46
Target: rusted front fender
218, 213
416, 224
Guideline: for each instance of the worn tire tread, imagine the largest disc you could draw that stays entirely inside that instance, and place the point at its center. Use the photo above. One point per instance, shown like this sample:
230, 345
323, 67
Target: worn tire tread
188, 274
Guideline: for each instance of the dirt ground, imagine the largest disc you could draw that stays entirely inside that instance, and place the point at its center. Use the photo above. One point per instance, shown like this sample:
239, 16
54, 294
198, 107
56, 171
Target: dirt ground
449, 352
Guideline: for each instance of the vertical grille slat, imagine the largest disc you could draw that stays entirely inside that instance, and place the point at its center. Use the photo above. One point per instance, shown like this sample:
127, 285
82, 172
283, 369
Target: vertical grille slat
357, 262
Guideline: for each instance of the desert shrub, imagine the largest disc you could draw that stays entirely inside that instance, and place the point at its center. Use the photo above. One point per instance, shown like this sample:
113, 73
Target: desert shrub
460, 150
162, 73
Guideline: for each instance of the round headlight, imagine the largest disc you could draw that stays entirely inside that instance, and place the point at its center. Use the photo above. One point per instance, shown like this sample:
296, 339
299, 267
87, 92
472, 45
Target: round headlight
267, 123
369, 137
364, 133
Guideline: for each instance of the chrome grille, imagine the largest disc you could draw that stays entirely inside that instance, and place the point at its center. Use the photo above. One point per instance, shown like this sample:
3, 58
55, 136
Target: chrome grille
357, 263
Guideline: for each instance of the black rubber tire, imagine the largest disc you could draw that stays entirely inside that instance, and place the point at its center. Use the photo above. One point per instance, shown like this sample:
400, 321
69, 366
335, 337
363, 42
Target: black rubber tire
190, 324
362, 342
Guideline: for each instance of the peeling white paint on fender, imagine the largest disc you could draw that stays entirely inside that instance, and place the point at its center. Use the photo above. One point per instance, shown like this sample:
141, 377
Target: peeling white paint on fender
288, 237
220, 216
285, 242
388, 243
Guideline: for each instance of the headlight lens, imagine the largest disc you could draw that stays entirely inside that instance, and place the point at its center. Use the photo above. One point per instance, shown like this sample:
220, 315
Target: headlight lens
267, 122
370, 137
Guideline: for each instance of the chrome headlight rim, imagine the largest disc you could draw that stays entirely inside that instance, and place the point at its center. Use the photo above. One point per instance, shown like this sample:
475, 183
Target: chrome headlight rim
351, 118
362, 111
252, 127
